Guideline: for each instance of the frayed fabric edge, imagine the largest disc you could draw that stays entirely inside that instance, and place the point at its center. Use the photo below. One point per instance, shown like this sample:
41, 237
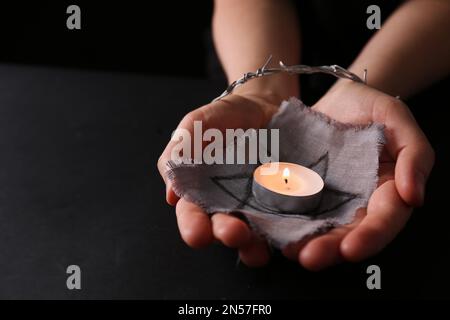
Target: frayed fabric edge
329, 223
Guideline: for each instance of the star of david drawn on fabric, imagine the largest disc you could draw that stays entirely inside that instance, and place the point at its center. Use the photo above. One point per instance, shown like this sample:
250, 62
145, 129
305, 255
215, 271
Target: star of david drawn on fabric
245, 197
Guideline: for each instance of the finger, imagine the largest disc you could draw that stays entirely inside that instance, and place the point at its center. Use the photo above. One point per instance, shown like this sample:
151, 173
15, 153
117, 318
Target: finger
408, 145
163, 169
413, 167
186, 124
386, 215
323, 251
171, 197
231, 231
194, 224
255, 253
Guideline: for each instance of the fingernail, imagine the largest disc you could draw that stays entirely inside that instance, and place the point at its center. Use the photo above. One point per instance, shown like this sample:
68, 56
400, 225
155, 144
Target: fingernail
420, 186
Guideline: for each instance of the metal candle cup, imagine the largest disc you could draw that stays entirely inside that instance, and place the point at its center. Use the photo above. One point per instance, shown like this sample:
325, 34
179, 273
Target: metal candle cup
287, 187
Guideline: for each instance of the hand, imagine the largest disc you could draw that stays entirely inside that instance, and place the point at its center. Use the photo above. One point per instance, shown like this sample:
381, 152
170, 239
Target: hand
243, 110
405, 164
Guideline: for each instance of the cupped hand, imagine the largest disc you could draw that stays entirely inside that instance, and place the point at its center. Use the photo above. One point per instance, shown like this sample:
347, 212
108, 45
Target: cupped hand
405, 164
244, 110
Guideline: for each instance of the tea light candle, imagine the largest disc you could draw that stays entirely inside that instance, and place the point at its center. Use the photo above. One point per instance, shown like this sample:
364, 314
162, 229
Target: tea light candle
287, 187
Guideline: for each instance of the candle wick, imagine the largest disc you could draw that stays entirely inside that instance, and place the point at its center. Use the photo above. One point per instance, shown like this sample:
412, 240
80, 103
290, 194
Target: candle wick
285, 181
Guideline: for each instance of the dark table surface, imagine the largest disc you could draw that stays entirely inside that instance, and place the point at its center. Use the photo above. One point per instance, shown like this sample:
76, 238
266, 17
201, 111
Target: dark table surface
79, 185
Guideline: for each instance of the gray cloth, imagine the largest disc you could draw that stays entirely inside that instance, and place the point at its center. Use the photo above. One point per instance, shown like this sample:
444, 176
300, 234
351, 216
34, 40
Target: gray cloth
346, 157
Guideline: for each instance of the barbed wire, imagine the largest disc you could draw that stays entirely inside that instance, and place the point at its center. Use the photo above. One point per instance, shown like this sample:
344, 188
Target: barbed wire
333, 70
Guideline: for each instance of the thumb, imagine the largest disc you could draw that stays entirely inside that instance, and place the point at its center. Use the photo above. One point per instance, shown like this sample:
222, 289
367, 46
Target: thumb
171, 197
187, 124
408, 145
414, 164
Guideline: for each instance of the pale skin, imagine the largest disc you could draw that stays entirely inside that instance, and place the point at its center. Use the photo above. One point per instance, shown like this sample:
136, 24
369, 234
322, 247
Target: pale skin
409, 53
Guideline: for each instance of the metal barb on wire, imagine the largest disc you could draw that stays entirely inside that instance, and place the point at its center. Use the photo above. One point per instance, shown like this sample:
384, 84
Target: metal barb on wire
333, 70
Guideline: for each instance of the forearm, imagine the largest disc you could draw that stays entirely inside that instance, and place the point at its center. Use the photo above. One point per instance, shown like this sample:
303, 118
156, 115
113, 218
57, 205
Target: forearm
410, 51
247, 32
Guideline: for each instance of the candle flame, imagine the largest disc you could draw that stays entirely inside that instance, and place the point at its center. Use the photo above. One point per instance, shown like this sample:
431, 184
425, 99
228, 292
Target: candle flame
286, 173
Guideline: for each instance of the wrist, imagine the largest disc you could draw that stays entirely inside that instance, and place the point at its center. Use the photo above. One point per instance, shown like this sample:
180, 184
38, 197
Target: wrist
267, 95
345, 84
274, 88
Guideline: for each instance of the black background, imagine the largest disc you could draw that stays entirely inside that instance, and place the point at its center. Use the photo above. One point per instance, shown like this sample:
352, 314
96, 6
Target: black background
161, 37
79, 182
